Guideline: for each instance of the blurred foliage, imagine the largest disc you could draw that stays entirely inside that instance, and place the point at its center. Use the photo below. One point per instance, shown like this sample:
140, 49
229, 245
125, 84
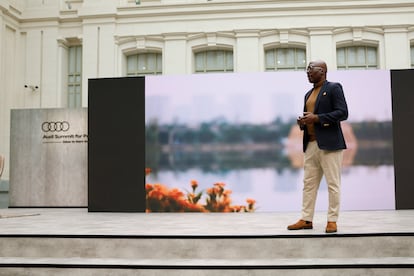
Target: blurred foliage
220, 145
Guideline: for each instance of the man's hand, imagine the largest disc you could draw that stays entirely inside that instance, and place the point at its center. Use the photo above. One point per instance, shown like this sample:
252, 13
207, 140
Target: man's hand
309, 118
300, 122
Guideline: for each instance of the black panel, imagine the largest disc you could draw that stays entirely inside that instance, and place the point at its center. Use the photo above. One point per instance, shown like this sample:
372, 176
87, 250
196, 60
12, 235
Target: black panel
402, 86
116, 149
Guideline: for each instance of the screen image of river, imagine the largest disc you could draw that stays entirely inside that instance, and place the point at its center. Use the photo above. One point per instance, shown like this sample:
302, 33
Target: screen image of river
237, 132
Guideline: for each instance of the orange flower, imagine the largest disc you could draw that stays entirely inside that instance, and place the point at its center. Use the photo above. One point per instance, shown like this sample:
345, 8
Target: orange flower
220, 185
250, 204
227, 193
163, 199
176, 194
210, 191
237, 208
194, 184
250, 201
147, 171
148, 187
226, 201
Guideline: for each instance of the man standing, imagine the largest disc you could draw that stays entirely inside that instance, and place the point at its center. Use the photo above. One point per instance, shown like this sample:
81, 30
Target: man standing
323, 144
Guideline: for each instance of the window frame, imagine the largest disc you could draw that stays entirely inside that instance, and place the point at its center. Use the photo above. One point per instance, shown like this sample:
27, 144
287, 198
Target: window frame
74, 88
225, 62
365, 66
295, 67
157, 67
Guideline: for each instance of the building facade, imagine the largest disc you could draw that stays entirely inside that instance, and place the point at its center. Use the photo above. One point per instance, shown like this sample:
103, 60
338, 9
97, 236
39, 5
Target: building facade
50, 48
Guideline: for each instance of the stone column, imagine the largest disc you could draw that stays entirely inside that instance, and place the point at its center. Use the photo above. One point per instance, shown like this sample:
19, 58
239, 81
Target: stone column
174, 54
322, 46
396, 41
246, 53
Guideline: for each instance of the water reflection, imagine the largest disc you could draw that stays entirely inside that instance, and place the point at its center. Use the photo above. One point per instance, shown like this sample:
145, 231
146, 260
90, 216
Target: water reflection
271, 173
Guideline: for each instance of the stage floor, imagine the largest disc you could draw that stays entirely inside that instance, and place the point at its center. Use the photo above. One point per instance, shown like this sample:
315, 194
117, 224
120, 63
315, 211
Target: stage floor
78, 221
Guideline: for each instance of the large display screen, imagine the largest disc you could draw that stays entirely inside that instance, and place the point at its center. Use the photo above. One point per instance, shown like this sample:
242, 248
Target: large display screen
229, 142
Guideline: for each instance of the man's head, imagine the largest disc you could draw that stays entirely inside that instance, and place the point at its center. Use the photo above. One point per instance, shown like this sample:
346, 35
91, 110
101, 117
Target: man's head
316, 71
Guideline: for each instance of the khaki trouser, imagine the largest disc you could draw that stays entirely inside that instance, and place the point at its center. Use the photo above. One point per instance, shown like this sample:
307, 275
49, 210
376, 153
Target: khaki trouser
320, 163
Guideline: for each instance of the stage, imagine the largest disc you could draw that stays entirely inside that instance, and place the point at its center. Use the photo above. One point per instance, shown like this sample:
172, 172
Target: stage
73, 241
78, 221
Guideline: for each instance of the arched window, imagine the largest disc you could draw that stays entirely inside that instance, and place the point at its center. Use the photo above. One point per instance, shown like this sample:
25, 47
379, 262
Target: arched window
144, 64
285, 59
214, 61
357, 57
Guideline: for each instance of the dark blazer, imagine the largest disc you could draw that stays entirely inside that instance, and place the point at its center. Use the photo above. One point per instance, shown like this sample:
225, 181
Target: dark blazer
331, 108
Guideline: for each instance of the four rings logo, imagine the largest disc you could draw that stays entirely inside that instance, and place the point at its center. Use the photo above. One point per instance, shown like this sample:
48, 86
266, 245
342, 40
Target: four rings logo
55, 126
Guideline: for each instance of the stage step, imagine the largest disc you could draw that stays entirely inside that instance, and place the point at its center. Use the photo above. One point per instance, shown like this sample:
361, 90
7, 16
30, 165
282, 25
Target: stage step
369, 254
105, 266
209, 247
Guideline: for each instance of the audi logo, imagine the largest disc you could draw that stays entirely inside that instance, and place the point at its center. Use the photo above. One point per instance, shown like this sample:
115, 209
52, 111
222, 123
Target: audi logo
55, 126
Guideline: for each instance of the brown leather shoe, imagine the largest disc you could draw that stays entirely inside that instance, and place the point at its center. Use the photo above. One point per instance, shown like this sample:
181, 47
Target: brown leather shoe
331, 227
301, 224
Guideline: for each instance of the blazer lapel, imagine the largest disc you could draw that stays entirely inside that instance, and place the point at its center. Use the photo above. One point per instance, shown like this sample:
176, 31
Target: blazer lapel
321, 92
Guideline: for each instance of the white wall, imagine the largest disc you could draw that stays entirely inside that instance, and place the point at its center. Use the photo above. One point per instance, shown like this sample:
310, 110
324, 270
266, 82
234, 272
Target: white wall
35, 34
